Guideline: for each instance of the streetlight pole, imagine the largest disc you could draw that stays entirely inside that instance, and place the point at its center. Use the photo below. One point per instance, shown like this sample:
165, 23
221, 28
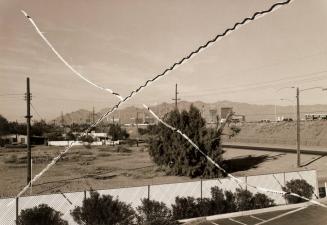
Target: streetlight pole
298, 134
298, 130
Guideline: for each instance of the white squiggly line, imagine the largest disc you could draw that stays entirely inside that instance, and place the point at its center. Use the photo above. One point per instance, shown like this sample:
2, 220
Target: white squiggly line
61, 58
238, 181
218, 37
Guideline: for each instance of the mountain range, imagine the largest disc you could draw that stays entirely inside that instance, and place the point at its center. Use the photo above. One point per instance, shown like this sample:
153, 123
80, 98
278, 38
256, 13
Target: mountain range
252, 112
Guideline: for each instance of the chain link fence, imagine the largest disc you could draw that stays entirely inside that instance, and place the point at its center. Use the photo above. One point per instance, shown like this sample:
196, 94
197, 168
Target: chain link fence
66, 202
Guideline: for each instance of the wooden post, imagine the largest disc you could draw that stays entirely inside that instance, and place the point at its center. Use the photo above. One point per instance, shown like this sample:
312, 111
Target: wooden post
28, 136
298, 136
149, 192
201, 189
17, 208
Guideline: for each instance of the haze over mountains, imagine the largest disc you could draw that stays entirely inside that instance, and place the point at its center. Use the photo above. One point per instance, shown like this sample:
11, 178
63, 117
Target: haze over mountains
252, 112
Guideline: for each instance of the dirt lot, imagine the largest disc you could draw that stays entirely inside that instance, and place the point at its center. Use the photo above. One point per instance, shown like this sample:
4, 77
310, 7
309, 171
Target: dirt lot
81, 169
107, 167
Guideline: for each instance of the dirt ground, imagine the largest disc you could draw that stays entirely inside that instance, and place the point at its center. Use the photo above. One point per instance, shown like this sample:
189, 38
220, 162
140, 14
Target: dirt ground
313, 133
100, 167
107, 167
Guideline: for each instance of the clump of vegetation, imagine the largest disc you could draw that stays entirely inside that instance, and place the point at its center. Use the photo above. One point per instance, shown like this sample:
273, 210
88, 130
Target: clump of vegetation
220, 202
103, 210
300, 187
87, 138
117, 133
103, 154
169, 149
11, 159
40, 215
154, 213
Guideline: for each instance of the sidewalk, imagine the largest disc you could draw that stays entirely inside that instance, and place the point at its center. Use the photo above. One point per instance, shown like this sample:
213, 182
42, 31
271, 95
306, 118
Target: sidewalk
311, 150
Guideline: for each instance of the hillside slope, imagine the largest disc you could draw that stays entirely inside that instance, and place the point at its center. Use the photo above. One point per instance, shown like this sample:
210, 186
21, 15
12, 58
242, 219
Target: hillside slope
313, 133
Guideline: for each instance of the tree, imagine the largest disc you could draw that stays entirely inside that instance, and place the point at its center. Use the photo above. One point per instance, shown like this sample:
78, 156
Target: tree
170, 149
87, 138
300, 187
40, 215
70, 136
103, 210
117, 133
4, 125
39, 128
154, 213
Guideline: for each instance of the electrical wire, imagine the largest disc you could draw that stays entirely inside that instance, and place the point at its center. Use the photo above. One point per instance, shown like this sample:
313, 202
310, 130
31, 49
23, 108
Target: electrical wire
209, 43
36, 111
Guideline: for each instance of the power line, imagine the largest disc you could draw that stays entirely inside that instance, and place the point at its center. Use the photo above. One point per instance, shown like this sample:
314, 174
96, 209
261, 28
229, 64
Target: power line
256, 15
36, 111
262, 84
11, 94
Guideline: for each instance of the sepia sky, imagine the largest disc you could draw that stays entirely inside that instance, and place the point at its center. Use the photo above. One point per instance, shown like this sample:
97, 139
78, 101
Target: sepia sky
120, 44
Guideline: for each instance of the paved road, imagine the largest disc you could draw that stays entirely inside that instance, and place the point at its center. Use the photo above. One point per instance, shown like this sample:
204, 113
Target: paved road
276, 148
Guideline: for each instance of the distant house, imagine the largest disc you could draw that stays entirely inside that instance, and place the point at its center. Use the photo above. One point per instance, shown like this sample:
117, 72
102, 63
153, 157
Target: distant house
22, 139
99, 136
14, 139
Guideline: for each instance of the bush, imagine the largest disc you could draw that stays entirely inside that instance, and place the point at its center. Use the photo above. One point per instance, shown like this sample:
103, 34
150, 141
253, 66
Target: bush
220, 202
40, 215
185, 208
300, 187
103, 210
154, 213
11, 159
245, 200
262, 201
230, 202
87, 138
169, 149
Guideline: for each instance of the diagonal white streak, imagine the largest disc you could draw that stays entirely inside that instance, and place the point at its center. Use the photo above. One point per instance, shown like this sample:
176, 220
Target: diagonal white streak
62, 58
238, 181
146, 84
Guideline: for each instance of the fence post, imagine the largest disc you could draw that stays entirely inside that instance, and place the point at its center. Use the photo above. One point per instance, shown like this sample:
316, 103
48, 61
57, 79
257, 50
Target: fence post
17, 208
148, 191
285, 186
246, 183
201, 189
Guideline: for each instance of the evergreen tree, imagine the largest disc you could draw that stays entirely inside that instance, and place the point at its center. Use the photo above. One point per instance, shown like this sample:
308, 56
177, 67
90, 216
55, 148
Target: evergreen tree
170, 149
117, 133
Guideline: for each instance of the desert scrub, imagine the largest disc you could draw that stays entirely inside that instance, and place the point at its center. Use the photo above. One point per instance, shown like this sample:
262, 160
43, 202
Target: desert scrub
10, 159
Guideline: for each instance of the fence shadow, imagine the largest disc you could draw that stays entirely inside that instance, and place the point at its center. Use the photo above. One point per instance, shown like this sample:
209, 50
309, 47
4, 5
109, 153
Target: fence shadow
247, 162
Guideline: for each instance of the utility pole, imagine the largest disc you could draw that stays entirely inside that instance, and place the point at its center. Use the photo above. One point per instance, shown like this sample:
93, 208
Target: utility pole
176, 99
137, 128
93, 118
298, 136
62, 119
28, 123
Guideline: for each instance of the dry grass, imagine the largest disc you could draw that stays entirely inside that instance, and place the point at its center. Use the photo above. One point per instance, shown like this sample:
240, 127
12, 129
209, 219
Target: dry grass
99, 167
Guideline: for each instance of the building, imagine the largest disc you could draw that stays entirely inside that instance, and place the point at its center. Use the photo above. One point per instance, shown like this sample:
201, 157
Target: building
224, 111
14, 139
18, 139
